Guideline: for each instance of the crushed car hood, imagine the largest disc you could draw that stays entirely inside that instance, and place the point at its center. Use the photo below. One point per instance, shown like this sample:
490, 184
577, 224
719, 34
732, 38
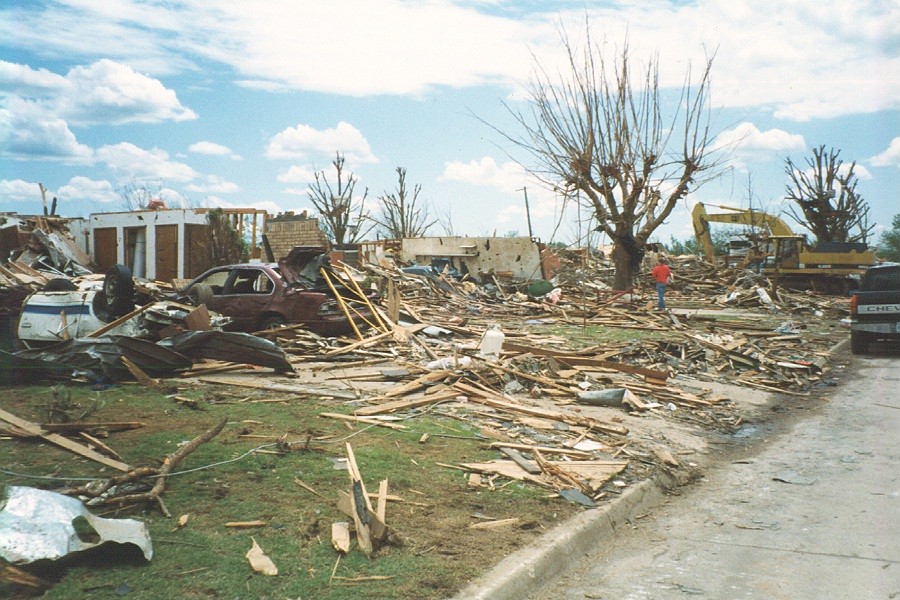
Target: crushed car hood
302, 266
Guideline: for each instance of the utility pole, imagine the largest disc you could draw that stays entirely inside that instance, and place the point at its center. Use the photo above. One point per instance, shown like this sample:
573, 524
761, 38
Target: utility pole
528, 212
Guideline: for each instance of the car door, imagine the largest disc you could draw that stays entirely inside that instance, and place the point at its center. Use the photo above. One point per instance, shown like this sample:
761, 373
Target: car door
246, 297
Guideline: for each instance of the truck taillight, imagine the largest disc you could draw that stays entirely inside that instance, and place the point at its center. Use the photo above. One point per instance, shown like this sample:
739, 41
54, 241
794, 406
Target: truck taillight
853, 302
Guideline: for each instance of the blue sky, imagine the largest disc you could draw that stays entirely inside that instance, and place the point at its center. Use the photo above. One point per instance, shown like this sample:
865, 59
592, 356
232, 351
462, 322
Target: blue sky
239, 105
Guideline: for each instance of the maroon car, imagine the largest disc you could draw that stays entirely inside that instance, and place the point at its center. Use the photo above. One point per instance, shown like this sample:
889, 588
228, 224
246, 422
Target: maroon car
261, 296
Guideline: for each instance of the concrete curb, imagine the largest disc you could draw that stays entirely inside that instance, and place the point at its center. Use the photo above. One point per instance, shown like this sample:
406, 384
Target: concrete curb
520, 573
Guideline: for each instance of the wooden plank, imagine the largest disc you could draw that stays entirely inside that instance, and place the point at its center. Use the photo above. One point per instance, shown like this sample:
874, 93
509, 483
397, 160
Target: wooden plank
381, 505
496, 401
529, 465
402, 404
280, 387
340, 536
63, 442
360, 507
113, 324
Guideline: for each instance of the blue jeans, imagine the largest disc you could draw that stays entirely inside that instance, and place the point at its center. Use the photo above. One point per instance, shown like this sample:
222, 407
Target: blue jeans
661, 293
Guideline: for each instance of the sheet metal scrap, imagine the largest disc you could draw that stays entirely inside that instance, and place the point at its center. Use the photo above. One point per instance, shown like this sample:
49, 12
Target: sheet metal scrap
37, 524
229, 346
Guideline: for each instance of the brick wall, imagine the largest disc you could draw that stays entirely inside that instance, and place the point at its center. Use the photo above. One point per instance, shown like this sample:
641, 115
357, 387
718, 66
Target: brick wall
284, 234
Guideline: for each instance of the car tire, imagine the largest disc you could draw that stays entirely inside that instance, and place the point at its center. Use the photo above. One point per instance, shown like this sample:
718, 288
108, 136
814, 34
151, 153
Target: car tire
118, 287
272, 321
859, 342
60, 285
200, 294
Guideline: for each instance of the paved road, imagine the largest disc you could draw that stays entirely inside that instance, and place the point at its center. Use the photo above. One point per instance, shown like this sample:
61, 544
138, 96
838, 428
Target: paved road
815, 514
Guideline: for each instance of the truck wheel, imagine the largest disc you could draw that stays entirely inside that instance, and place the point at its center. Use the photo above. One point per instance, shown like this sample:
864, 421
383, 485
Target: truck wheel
201, 294
118, 287
858, 342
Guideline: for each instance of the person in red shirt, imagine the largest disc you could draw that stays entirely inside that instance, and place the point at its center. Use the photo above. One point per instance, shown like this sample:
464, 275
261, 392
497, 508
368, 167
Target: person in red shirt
663, 275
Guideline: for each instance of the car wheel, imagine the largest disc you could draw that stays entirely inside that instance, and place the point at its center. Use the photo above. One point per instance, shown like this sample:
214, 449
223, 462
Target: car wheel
118, 287
272, 322
60, 285
200, 294
858, 342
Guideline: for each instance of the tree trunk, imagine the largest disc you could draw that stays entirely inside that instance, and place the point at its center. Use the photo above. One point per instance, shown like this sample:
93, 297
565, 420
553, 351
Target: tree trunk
627, 258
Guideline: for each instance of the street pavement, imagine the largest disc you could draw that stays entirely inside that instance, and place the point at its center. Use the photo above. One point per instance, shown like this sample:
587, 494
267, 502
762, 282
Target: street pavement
814, 514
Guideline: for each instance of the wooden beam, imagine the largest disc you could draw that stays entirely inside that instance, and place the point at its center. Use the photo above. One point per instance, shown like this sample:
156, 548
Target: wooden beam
63, 442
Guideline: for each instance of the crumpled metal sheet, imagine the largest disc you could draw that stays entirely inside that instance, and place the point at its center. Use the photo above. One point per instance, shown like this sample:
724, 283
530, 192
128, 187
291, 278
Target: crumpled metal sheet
229, 346
37, 524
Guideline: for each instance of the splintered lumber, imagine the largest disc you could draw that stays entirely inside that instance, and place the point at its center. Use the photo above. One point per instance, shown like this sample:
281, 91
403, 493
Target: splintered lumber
245, 524
404, 404
113, 324
360, 344
499, 402
259, 562
573, 360
594, 472
381, 506
54, 438
494, 524
367, 421
142, 378
280, 387
529, 466
544, 449
417, 383
340, 536
360, 504
100, 445
378, 529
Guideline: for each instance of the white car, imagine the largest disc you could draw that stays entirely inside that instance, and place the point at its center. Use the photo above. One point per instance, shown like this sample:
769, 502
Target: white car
71, 309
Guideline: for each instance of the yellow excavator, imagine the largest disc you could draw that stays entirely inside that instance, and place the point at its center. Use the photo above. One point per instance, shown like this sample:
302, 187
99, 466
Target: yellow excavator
781, 252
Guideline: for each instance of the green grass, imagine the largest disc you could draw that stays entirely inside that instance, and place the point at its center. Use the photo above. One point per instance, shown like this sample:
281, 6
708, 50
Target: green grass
431, 552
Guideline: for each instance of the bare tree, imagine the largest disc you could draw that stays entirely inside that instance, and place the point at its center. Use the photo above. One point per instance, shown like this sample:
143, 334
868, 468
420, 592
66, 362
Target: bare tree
826, 194
401, 217
344, 217
136, 196
445, 220
599, 135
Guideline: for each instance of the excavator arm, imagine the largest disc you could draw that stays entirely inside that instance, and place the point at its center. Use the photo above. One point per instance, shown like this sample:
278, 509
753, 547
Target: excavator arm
735, 216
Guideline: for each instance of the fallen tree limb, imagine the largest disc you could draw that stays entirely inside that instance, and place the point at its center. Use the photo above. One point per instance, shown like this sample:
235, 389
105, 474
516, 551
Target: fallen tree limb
97, 489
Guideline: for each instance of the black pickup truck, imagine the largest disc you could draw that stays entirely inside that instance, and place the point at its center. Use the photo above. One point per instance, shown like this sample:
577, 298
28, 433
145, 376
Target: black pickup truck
875, 308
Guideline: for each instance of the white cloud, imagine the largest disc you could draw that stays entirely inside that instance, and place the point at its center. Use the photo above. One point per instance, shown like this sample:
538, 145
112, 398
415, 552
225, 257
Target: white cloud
132, 162
746, 143
297, 174
28, 131
214, 185
860, 171
890, 157
213, 149
303, 141
507, 177
18, 190
103, 92
765, 56
83, 188
110, 92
